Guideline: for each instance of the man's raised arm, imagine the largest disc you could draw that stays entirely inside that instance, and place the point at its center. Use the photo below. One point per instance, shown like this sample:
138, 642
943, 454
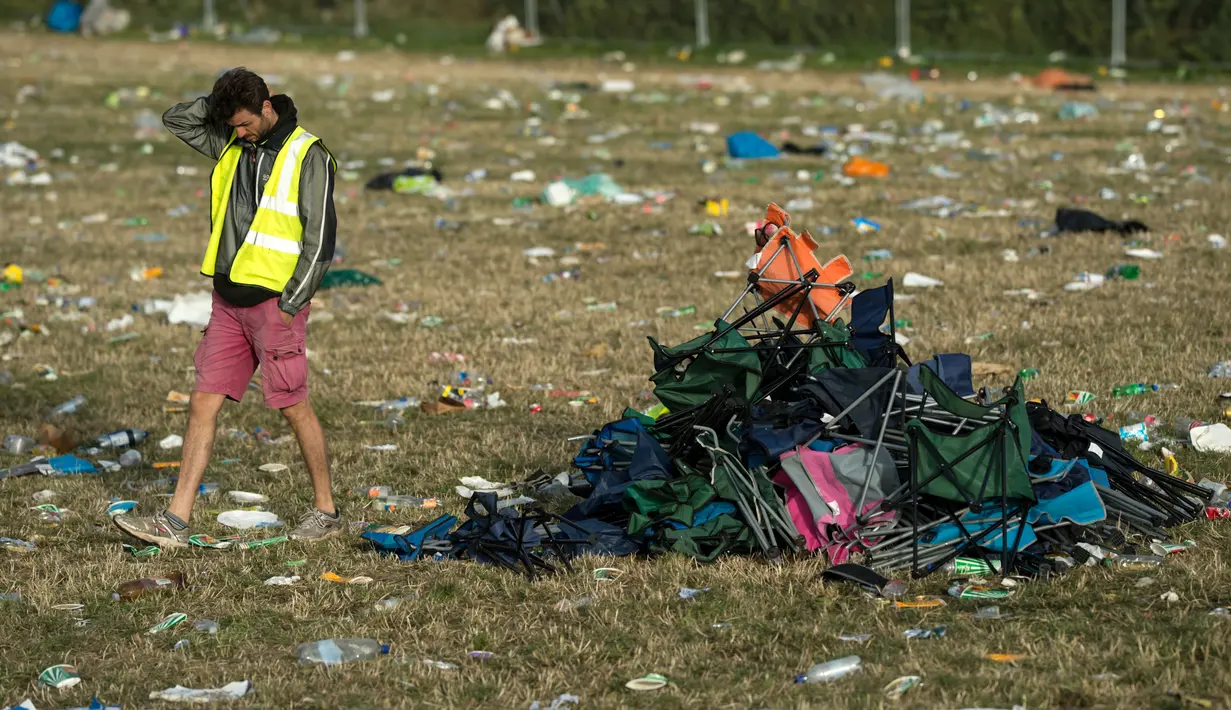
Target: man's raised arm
192, 123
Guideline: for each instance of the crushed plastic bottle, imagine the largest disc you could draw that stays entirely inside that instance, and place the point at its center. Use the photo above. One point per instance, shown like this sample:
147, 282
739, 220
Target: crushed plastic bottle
69, 407
15, 444
831, 670
122, 439
331, 652
1133, 563
141, 587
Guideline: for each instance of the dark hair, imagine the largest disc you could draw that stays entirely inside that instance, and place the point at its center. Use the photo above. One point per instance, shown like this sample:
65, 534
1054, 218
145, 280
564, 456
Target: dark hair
238, 89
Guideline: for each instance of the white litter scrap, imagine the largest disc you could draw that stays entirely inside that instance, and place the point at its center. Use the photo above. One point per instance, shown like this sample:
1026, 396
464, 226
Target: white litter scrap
246, 519
246, 497
180, 694
16, 155
914, 280
190, 309
1211, 437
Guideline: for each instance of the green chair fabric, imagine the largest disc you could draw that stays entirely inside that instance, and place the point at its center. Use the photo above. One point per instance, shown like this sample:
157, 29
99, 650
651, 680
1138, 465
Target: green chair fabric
836, 352
703, 371
967, 467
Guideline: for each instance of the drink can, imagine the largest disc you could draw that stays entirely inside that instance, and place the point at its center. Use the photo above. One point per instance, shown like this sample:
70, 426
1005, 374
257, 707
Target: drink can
1078, 397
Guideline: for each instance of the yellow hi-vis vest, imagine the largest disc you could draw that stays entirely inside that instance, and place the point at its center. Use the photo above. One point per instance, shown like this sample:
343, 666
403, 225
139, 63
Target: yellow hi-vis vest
271, 248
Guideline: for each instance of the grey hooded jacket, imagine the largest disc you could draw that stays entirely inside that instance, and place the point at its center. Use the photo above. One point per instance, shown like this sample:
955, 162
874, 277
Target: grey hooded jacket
190, 122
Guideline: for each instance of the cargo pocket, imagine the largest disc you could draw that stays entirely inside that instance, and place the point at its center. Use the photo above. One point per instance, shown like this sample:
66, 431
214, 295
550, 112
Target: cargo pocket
285, 368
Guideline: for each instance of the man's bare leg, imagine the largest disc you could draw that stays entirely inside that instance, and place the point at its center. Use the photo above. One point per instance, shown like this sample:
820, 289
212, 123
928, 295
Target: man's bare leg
312, 445
198, 445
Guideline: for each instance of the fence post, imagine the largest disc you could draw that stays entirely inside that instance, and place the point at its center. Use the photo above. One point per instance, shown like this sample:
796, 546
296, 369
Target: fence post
532, 18
1118, 21
210, 19
361, 19
703, 23
903, 17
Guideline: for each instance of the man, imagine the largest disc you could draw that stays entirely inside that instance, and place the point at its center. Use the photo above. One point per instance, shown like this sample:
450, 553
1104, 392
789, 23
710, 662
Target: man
272, 237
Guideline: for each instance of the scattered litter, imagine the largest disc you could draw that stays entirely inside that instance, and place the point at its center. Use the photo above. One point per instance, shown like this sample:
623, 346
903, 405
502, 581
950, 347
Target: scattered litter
653, 681
932, 633
168, 623
898, 687
914, 280
180, 694
247, 519
60, 677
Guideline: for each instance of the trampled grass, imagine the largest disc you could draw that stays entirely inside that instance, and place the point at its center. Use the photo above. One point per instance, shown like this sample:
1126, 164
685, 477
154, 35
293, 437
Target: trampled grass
1167, 327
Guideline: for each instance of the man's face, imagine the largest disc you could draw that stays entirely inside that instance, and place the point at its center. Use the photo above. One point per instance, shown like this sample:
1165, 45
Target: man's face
252, 127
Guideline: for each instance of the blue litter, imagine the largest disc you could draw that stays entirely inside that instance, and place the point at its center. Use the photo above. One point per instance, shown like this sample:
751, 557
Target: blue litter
68, 464
65, 16
865, 226
749, 146
409, 547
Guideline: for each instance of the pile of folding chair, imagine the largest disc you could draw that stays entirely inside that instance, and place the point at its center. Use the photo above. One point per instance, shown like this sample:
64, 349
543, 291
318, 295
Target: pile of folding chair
786, 430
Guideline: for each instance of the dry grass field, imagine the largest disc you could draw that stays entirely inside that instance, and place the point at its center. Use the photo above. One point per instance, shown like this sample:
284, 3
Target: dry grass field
1167, 327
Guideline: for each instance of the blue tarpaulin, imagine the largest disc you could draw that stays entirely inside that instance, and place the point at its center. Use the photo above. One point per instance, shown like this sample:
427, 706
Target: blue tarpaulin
65, 16
749, 146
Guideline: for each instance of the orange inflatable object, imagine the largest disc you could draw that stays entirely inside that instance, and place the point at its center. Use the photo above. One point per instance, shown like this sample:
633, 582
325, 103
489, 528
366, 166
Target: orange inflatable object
1054, 78
859, 166
778, 270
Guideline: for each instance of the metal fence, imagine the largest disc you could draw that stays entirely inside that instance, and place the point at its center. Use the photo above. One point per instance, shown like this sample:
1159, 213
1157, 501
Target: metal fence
1106, 31
533, 14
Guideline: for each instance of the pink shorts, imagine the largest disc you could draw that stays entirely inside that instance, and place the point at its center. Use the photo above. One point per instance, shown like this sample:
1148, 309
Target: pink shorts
238, 339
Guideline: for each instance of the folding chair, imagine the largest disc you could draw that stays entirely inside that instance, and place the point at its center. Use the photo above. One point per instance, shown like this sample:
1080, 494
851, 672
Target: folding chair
787, 259
868, 311
981, 461
753, 495
785, 276
430, 538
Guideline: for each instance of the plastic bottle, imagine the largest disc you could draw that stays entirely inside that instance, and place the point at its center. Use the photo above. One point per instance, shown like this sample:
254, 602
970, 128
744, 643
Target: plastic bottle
15, 444
393, 503
1183, 425
398, 405
1129, 390
1133, 563
1149, 420
68, 407
1128, 272
830, 670
122, 439
372, 491
334, 651
140, 587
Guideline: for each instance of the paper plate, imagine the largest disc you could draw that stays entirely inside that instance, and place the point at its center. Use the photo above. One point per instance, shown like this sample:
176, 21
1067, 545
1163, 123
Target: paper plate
653, 681
120, 506
246, 519
273, 467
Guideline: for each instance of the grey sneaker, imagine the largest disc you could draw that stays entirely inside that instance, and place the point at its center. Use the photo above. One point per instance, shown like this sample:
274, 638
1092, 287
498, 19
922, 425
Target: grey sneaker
156, 530
315, 526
